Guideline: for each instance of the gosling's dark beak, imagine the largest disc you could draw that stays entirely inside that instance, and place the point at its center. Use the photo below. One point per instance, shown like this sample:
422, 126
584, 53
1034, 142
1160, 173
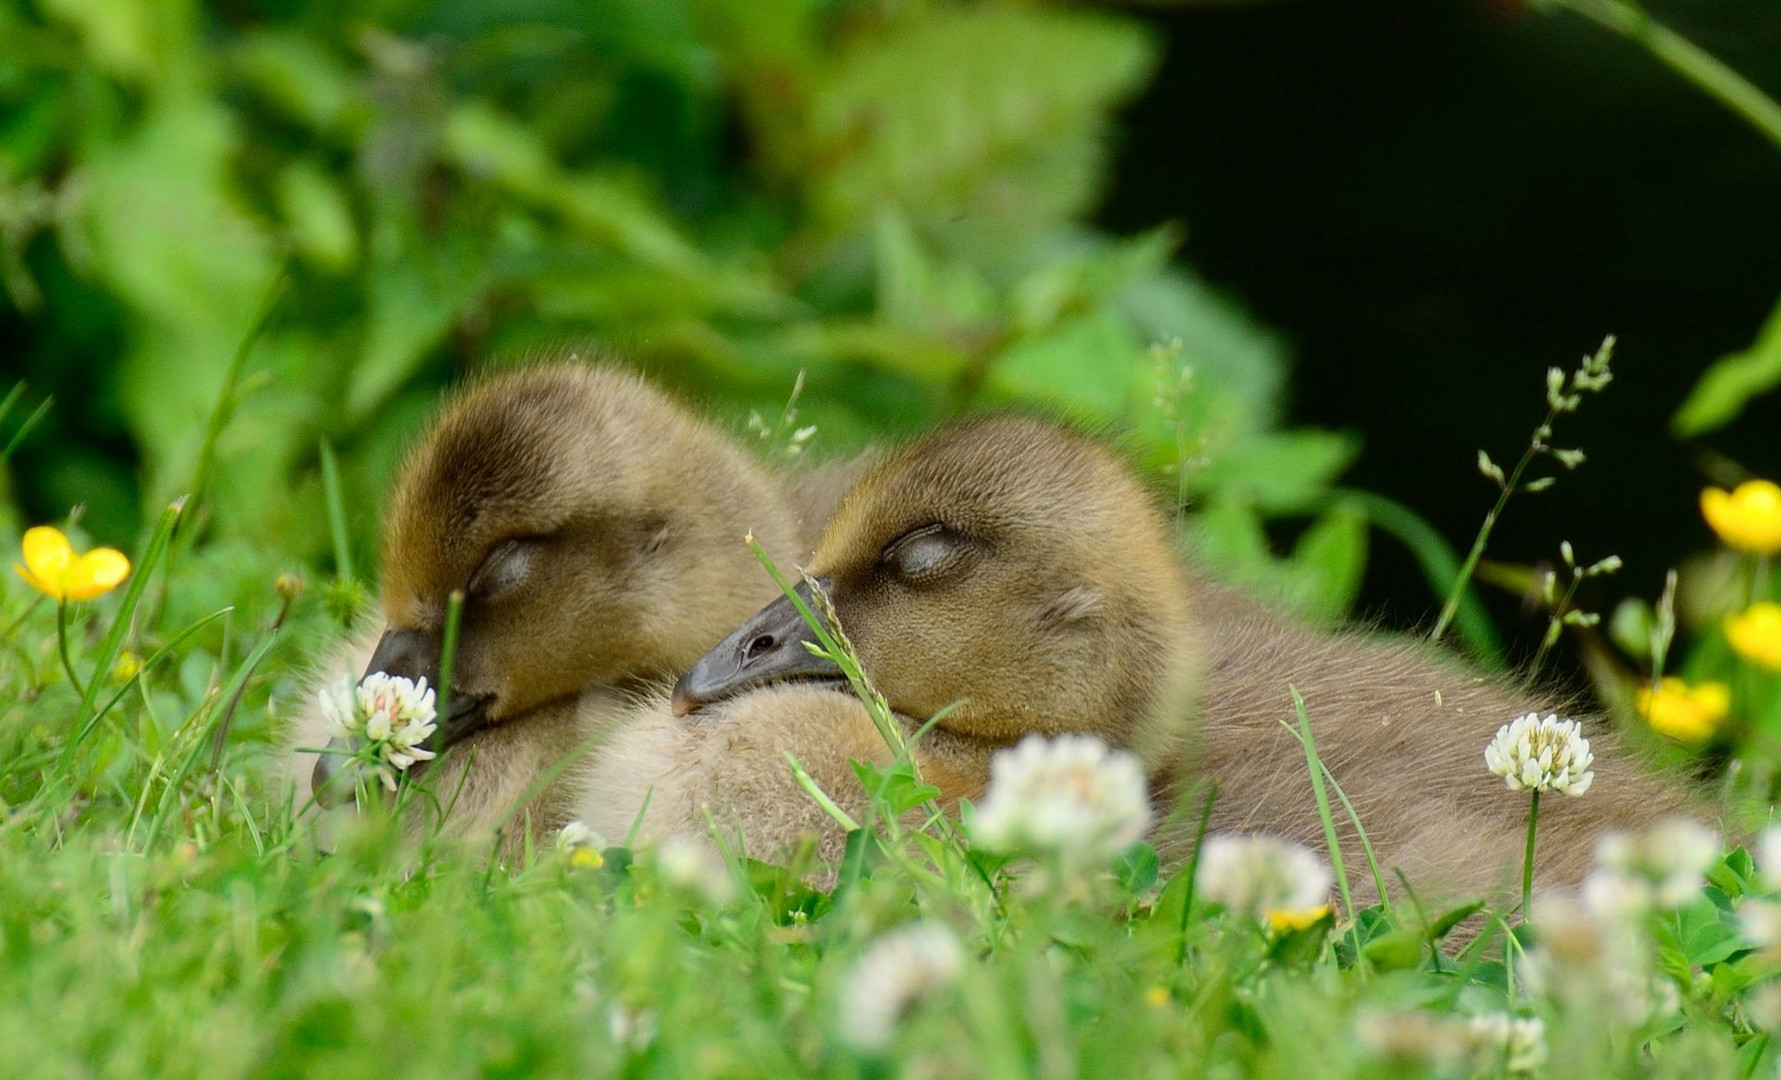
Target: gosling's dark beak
769, 647
413, 655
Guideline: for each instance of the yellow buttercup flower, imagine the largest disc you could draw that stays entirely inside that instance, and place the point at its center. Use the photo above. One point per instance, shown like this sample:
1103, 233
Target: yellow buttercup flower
1685, 713
1756, 634
1286, 919
53, 569
1748, 517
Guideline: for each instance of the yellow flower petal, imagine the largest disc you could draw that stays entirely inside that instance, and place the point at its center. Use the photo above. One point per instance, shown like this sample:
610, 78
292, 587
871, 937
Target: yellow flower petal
47, 555
1748, 517
1689, 714
52, 568
96, 573
1285, 919
1756, 634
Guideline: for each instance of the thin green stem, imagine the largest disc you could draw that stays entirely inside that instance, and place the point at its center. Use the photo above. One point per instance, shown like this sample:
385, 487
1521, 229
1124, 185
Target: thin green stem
1315, 766
1555, 626
1708, 73
62, 647
1527, 859
1470, 566
336, 513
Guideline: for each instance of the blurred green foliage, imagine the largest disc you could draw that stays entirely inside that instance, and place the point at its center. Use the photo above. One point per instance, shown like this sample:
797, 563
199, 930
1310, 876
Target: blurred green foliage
891, 196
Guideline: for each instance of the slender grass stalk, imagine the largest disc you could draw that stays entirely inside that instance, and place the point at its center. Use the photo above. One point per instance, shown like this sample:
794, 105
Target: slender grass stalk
1663, 630
336, 500
146, 666
1554, 626
818, 795
223, 410
11, 399
1527, 859
114, 638
549, 777
1439, 563
228, 717
1592, 376
1708, 73
24, 430
1366, 842
1315, 766
1192, 871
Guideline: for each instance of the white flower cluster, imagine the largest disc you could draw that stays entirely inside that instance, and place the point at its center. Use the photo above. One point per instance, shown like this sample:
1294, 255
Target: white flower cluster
1493, 1043
1596, 964
1514, 1044
1261, 877
388, 715
1535, 753
895, 972
691, 866
1660, 869
1071, 795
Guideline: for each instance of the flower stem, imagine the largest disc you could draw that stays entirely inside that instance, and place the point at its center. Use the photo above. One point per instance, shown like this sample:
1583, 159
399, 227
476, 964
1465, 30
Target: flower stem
1527, 861
62, 647
1509, 486
1555, 627
1708, 73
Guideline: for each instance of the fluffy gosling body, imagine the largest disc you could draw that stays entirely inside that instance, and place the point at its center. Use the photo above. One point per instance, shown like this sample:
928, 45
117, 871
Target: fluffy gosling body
595, 529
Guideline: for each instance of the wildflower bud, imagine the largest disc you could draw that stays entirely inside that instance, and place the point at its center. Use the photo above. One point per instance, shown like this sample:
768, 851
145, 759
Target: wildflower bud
1564, 549
1581, 618
289, 586
580, 846
1539, 485
1555, 389
1570, 459
1490, 468
1602, 566
128, 664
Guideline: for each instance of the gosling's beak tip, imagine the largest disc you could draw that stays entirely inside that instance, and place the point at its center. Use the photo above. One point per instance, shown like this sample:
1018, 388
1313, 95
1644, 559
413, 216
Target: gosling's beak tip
683, 702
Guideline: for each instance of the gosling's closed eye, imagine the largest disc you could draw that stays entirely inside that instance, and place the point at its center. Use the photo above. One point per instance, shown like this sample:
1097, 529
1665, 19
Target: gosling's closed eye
506, 566
923, 551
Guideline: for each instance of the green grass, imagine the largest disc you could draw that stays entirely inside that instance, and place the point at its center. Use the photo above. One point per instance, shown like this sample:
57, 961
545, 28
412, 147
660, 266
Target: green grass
162, 914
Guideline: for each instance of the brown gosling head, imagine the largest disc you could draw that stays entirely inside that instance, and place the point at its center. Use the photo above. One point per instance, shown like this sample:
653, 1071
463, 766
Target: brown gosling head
594, 528
1008, 566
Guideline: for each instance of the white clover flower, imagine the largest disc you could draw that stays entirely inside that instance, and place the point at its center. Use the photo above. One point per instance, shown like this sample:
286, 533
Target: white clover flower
1534, 753
1515, 1044
632, 1030
1262, 878
1071, 795
1767, 850
389, 717
1662, 868
1413, 1038
1763, 1007
1759, 921
580, 845
895, 972
1594, 963
689, 864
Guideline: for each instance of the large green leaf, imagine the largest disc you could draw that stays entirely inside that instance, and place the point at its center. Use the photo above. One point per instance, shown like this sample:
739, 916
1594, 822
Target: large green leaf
992, 112
1731, 382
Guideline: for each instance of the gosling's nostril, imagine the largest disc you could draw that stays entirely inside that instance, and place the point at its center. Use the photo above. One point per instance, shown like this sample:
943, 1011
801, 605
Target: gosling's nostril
759, 645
